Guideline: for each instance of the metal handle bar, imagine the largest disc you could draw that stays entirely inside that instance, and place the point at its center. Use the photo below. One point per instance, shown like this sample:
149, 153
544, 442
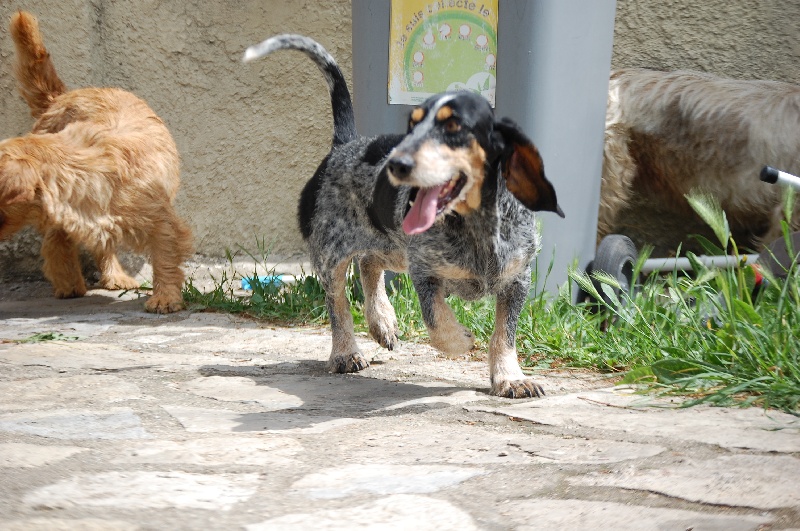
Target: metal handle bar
774, 176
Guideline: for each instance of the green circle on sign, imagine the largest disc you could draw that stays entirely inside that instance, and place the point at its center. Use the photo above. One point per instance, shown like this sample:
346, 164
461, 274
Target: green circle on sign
450, 60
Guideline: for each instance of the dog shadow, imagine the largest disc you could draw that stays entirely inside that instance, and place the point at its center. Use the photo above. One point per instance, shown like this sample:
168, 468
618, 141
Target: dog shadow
309, 397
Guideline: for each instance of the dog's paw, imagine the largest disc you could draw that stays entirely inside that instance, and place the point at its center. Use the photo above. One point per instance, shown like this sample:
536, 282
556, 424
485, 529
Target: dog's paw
526, 388
385, 334
70, 292
352, 362
161, 304
456, 341
123, 282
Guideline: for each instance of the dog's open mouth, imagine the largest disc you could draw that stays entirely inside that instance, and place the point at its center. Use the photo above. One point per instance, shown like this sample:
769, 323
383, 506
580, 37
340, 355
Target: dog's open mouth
431, 203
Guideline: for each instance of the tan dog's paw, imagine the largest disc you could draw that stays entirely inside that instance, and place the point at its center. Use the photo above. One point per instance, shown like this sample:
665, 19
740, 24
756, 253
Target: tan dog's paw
162, 304
384, 333
353, 362
123, 282
456, 341
70, 293
526, 388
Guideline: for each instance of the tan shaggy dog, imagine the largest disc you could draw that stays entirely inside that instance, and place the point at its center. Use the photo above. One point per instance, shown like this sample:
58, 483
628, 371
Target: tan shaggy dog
99, 170
669, 133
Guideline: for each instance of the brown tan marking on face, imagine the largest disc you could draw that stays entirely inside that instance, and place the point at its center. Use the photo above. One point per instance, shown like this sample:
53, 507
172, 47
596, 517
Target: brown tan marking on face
475, 158
417, 115
444, 113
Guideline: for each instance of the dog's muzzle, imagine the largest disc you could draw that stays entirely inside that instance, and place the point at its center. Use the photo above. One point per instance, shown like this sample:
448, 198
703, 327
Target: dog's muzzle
400, 167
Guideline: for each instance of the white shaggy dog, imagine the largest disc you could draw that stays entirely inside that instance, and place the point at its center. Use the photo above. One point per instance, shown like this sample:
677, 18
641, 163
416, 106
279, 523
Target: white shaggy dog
668, 133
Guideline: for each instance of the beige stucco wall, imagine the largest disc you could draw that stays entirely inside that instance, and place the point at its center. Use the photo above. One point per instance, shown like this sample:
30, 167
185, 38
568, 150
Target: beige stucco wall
251, 134
757, 39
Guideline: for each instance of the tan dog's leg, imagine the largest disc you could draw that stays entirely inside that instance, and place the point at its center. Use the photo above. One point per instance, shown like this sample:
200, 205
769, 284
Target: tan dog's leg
345, 354
446, 333
171, 244
112, 275
62, 266
377, 308
505, 374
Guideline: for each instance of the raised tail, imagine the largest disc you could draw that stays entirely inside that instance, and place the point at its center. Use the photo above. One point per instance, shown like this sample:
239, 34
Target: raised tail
38, 82
344, 123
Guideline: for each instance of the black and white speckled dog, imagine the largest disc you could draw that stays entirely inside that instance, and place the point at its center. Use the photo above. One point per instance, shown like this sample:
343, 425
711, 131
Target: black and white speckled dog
451, 202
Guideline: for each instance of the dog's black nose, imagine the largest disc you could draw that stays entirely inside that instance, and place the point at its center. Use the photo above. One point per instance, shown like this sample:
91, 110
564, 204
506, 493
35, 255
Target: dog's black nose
400, 166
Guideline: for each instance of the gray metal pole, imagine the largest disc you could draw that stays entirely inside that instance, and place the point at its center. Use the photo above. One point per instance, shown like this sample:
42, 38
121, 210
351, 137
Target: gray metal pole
374, 115
553, 61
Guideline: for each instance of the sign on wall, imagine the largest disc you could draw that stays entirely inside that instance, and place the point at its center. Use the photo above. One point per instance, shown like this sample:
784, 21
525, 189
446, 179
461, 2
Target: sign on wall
439, 45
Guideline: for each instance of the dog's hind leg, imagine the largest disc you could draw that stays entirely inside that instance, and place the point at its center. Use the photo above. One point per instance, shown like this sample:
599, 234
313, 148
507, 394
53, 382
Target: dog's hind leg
62, 266
505, 374
112, 274
345, 354
170, 246
377, 308
446, 333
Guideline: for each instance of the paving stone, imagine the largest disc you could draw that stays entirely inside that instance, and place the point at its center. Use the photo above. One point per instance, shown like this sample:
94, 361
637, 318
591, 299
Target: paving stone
115, 423
583, 515
21, 455
453, 398
44, 393
195, 419
547, 449
398, 512
146, 490
60, 524
618, 409
238, 389
80, 355
86, 326
760, 481
214, 451
382, 479
474, 445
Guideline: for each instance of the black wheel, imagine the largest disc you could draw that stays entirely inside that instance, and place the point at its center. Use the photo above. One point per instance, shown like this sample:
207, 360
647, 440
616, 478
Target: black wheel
616, 255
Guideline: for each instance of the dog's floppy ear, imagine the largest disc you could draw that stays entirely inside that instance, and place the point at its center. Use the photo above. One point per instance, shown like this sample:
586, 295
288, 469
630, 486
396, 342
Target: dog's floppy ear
523, 168
18, 180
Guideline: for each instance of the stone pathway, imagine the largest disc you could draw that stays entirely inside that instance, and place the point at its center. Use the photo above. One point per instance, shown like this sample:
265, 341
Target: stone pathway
210, 421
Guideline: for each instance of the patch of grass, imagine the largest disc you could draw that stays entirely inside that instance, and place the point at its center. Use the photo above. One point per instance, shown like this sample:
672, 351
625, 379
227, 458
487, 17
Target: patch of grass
704, 336
302, 301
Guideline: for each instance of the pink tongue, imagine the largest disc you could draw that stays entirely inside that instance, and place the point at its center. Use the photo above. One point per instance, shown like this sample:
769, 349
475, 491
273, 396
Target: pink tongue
423, 211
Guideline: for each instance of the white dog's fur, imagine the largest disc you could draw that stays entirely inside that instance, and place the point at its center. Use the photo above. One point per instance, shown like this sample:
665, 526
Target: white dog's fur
673, 132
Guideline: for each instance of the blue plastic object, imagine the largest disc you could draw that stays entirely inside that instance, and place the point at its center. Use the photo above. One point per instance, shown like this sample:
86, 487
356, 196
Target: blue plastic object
275, 280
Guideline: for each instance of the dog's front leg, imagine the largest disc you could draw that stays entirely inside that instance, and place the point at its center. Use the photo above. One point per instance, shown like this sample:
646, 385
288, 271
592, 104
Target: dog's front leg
377, 308
112, 274
62, 267
505, 374
345, 354
446, 333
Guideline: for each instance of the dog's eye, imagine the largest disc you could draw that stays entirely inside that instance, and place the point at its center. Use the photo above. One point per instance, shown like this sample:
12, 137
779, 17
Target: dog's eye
452, 126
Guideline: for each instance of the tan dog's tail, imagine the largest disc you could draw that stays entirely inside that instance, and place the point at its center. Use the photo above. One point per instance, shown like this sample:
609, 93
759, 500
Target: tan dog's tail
38, 82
